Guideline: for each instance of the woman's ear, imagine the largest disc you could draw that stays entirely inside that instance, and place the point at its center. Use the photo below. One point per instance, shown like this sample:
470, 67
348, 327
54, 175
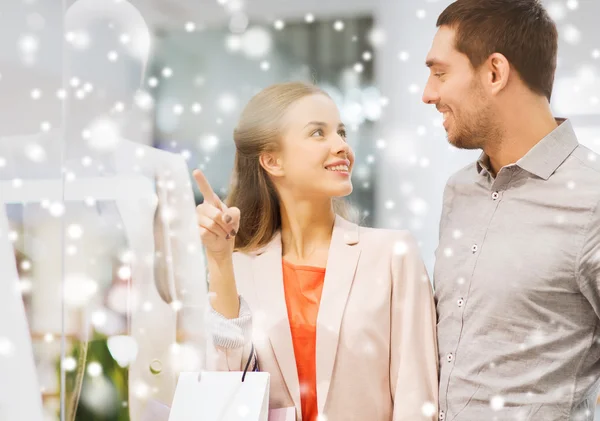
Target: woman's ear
272, 164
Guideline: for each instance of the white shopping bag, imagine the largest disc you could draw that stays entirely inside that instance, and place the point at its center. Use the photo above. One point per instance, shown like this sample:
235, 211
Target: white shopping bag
283, 414
221, 396
155, 411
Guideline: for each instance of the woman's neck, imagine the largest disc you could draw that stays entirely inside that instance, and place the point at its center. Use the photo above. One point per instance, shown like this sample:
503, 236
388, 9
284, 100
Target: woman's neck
306, 229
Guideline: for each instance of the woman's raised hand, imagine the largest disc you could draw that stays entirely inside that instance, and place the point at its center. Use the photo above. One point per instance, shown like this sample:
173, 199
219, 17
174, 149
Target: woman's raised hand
218, 224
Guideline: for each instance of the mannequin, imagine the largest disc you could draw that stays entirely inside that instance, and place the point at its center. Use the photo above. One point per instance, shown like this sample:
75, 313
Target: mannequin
171, 282
142, 195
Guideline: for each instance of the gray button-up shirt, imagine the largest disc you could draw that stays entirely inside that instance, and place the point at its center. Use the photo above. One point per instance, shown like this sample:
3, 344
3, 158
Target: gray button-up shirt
517, 281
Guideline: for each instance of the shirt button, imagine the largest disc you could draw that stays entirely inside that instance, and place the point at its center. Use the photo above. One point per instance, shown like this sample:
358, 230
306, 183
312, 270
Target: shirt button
449, 358
495, 195
442, 415
474, 248
460, 302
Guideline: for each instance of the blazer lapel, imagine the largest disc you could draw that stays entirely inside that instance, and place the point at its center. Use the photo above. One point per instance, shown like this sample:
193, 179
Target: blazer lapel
341, 266
268, 277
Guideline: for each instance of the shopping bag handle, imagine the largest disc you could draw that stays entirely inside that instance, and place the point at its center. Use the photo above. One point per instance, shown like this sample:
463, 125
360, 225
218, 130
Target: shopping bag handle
255, 368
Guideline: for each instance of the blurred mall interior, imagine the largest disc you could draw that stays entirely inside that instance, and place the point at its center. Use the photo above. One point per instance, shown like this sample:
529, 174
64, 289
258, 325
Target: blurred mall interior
206, 59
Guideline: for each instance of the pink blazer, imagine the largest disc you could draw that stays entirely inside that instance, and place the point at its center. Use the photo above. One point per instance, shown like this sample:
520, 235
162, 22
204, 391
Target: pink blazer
376, 355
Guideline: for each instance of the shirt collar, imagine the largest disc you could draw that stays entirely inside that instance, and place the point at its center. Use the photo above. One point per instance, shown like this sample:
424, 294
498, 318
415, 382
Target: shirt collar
547, 155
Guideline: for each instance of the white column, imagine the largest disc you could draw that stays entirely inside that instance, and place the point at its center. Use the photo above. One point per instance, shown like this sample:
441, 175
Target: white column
19, 389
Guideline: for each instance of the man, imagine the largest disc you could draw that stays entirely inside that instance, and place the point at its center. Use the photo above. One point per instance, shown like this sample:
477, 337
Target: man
517, 272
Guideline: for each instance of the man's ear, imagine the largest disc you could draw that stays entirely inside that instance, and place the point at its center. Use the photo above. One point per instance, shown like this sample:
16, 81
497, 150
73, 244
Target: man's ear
498, 72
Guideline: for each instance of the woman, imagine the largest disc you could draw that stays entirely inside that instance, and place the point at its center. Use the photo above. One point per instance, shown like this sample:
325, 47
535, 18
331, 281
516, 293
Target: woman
341, 317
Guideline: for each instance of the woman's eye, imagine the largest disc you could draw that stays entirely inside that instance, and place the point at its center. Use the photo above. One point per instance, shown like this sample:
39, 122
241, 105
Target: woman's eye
342, 133
318, 133
438, 75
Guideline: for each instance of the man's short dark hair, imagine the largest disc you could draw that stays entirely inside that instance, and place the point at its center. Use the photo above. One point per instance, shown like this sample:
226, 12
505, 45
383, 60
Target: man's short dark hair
521, 30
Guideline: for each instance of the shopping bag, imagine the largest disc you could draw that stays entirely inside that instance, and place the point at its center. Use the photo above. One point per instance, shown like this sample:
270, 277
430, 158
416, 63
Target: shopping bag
158, 411
283, 414
155, 411
222, 395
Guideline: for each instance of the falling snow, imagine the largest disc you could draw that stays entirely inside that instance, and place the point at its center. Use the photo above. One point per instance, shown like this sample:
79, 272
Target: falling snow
197, 125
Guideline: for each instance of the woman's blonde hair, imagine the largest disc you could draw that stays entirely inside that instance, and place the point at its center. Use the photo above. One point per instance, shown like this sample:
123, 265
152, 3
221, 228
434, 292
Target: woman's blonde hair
252, 191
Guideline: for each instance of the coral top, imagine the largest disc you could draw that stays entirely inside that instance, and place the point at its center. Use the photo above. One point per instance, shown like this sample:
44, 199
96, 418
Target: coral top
303, 286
